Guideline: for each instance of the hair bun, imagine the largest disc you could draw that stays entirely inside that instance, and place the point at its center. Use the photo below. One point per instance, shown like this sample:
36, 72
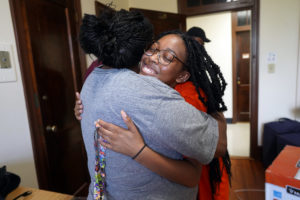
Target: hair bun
116, 38
94, 32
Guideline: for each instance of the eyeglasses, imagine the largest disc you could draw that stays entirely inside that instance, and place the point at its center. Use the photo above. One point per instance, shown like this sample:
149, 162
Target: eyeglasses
165, 57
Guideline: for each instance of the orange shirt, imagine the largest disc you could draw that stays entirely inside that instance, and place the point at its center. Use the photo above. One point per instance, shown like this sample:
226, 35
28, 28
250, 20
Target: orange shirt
188, 91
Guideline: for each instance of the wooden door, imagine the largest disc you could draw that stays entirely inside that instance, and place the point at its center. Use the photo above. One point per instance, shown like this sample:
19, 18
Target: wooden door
56, 75
163, 21
243, 75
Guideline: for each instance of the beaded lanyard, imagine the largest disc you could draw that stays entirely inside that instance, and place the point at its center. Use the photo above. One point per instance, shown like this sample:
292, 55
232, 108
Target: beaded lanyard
99, 184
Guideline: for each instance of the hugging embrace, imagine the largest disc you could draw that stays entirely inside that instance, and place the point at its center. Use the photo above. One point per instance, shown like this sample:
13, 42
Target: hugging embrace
152, 139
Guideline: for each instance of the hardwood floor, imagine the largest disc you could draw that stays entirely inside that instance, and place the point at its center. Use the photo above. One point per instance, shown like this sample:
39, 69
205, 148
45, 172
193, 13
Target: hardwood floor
248, 180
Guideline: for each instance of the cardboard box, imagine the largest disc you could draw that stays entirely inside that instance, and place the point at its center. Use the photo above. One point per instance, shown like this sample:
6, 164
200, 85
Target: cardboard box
283, 176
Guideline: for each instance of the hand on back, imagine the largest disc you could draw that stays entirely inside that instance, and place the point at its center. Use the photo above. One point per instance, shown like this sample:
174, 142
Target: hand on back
126, 141
78, 109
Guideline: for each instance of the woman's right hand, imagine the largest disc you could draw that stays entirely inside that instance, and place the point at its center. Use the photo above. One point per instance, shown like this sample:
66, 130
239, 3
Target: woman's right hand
125, 141
78, 109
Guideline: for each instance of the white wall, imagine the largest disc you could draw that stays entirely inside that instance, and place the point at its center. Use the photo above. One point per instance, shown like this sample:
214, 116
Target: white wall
217, 28
159, 5
15, 141
279, 33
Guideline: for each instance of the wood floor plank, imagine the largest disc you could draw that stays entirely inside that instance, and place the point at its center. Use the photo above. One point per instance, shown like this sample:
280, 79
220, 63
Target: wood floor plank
248, 179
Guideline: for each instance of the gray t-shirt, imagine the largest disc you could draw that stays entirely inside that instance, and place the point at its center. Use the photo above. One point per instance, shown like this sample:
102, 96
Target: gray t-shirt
168, 124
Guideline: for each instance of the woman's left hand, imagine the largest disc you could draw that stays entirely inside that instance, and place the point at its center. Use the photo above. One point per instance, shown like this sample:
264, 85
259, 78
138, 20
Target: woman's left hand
78, 109
126, 141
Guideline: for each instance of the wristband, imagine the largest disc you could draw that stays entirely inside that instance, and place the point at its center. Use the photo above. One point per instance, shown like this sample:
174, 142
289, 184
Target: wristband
138, 153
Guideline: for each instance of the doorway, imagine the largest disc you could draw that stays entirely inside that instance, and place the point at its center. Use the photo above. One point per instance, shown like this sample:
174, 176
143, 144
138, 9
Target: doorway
234, 5
218, 28
241, 51
239, 131
50, 61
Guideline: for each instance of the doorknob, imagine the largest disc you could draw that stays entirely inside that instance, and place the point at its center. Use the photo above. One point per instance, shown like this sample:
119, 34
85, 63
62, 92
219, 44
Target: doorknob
44, 97
238, 81
51, 128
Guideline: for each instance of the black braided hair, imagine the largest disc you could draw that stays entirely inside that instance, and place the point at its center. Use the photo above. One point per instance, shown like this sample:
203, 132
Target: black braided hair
117, 38
205, 74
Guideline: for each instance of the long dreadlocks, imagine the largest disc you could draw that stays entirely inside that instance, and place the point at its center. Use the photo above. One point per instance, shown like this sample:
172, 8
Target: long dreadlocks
205, 74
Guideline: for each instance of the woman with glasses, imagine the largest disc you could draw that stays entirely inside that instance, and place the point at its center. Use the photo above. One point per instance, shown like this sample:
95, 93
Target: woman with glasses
165, 61
175, 58
167, 123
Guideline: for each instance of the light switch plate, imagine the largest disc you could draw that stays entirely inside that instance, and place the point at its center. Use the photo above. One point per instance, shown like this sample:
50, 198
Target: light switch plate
7, 67
4, 60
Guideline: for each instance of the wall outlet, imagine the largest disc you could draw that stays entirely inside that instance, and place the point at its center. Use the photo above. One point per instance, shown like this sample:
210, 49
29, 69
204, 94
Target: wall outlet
4, 60
7, 67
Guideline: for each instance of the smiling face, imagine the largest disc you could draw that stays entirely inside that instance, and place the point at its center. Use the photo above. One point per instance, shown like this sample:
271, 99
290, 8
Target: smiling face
171, 73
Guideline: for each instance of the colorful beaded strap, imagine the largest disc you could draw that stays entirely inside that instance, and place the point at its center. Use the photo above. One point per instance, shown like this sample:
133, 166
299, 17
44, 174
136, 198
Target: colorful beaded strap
99, 184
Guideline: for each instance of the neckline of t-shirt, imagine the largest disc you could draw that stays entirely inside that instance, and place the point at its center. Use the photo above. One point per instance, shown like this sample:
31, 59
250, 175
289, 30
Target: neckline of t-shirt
110, 70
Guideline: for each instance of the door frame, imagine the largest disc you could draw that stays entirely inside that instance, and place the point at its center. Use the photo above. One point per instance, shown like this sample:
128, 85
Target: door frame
235, 30
253, 5
25, 56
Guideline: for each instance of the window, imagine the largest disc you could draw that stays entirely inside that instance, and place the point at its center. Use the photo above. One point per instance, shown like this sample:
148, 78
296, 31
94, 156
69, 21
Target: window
244, 18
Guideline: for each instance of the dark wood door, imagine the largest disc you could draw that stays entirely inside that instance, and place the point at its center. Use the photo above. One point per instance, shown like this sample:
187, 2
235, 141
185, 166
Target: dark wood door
57, 69
163, 21
243, 71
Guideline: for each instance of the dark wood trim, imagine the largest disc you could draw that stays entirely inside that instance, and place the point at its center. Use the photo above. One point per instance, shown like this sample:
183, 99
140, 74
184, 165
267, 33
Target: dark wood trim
163, 15
258, 155
155, 15
234, 78
159, 12
24, 49
211, 8
30, 90
242, 28
254, 149
82, 55
71, 48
